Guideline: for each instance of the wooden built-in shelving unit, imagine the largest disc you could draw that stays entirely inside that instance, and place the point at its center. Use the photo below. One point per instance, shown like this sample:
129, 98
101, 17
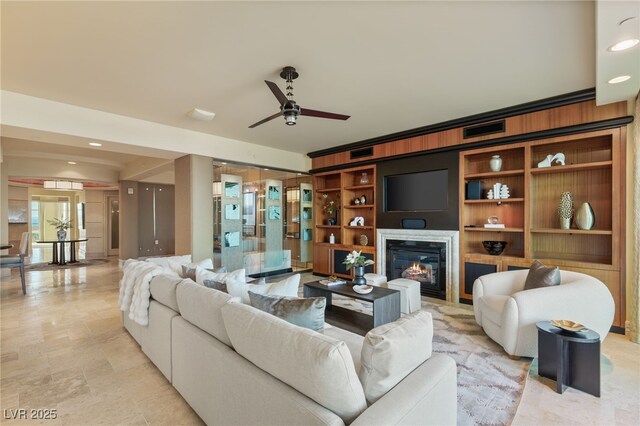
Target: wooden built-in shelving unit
593, 173
343, 187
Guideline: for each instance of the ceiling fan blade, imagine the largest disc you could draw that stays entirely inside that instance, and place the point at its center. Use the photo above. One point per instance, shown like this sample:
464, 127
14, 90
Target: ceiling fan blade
321, 114
278, 114
277, 92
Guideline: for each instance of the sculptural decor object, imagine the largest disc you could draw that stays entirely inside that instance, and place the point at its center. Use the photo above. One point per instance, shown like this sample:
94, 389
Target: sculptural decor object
558, 158
357, 221
585, 217
565, 210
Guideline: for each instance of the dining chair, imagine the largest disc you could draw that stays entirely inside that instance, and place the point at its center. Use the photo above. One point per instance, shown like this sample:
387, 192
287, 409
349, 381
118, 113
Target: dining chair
12, 260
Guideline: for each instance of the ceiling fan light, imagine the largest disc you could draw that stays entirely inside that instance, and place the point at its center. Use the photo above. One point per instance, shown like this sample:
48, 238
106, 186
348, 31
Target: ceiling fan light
290, 119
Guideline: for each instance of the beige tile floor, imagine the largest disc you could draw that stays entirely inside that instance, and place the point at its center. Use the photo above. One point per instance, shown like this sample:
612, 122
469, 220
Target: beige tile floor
63, 348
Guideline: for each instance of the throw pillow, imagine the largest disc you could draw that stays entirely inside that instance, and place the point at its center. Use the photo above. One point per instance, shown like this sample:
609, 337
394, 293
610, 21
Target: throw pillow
392, 351
204, 274
303, 312
541, 276
216, 285
286, 287
189, 270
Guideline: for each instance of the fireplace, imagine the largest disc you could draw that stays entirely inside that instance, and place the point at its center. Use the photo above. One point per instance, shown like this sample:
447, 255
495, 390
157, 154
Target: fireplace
421, 261
427, 256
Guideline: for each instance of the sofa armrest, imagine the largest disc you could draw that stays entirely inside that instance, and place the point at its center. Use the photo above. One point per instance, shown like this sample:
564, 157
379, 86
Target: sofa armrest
427, 396
499, 283
587, 301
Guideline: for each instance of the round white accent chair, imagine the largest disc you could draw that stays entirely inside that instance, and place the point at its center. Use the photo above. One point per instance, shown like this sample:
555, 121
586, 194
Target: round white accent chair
508, 313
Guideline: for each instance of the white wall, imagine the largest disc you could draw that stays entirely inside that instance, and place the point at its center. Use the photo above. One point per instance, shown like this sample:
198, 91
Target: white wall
28, 112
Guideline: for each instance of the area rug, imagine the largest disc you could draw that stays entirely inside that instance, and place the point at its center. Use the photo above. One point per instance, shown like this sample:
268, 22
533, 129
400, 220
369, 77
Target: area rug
490, 384
82, 263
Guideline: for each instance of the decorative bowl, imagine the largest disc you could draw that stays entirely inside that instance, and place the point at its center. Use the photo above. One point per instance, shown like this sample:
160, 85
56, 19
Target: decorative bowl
363, 289
494, 248
568, 325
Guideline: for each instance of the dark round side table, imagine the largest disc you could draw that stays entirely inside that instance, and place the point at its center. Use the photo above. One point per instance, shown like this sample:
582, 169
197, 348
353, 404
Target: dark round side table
570, 358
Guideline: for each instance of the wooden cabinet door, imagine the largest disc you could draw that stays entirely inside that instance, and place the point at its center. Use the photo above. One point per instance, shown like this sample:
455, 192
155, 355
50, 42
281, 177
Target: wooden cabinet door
322, 256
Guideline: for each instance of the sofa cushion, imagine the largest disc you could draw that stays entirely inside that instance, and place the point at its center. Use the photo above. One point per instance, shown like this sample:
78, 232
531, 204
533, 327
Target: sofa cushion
392, 351
287, 287
163, 290
304, 312
541, 276
316, 365
205, 274
492, 307
201, 307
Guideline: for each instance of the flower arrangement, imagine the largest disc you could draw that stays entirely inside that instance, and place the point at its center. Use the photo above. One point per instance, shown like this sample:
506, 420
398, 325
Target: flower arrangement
60, 224
329, 206
355, 259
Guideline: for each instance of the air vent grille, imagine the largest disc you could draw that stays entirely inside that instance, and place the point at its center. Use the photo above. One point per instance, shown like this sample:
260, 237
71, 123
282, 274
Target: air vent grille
484, 129
359, 153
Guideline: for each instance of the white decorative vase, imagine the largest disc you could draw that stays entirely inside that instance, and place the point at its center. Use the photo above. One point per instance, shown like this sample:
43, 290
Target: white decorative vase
565, 210
62, 234
585, 217
495, 163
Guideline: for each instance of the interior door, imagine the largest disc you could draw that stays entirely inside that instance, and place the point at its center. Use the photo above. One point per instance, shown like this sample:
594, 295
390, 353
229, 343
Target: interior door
113, 225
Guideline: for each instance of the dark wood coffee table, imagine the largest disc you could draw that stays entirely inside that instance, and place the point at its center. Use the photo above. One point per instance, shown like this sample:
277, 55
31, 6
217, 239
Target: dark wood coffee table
386, 306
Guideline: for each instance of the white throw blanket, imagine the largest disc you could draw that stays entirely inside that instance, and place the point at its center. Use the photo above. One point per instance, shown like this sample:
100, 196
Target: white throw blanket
134, 289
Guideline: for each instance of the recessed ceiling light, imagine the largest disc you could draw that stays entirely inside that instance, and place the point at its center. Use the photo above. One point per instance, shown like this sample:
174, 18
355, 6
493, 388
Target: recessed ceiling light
624, 45
200, 114
95, 144
71, 162
265, 169
223, 163
619, 79
299, 174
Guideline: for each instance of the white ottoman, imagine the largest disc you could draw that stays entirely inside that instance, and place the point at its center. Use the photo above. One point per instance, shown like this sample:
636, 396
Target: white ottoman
409, 294
375, 279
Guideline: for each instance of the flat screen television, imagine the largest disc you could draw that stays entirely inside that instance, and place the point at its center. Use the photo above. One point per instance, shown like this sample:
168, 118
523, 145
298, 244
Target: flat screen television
413, 192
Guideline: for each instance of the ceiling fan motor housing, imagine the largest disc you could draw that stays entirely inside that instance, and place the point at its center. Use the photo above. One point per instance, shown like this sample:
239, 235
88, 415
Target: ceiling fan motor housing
290, 110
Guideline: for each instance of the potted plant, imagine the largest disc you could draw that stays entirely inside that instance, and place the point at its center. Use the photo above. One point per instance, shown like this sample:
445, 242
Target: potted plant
61, 225
330, 207
356, 261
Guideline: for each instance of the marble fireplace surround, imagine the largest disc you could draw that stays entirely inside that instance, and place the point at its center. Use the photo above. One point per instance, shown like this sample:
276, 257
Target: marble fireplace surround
451, 239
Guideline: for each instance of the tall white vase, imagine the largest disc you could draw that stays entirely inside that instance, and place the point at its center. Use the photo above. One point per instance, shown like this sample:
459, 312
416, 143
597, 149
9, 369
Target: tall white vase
565, 210
585, 217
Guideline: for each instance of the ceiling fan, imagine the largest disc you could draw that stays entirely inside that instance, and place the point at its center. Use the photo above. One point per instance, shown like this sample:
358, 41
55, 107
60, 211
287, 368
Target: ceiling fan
288, 107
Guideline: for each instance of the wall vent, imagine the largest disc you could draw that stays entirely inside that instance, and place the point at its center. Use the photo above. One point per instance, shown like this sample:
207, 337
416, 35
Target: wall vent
483, 129
359, 153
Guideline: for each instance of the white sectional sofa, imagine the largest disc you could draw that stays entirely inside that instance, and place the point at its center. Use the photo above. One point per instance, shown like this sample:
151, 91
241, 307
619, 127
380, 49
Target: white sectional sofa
237, 365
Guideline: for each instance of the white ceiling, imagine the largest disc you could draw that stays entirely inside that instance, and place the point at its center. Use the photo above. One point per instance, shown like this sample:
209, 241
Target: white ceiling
392, 66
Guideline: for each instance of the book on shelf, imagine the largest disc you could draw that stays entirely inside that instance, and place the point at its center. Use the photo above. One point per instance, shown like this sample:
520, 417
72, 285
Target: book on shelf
332, 282
494, 225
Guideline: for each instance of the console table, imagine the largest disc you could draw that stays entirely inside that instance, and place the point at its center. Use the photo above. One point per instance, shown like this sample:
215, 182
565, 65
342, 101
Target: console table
386, 306
60, 259
571, 359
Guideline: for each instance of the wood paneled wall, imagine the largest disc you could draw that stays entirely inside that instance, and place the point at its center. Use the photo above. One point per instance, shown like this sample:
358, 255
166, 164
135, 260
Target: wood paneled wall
553, 118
